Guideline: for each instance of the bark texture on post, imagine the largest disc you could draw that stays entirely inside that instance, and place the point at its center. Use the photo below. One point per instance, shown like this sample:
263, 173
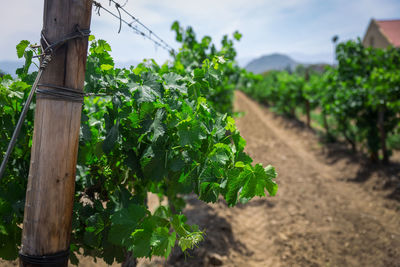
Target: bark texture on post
51, 181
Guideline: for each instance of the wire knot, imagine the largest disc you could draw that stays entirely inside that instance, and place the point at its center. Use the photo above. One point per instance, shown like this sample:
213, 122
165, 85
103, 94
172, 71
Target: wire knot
45, 61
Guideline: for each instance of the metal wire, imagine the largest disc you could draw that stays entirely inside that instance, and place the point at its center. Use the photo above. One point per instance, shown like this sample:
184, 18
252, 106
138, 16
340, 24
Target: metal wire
158, 41
59, 93
48, 50
140, 23
19, 123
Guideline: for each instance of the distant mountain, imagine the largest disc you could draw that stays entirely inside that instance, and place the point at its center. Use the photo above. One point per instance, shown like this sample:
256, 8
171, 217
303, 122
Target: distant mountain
271, 62
9, 66
126, 64
313, 58
243, 61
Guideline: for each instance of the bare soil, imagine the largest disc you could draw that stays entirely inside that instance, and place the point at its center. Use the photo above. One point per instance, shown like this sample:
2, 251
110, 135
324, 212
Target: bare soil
333, 207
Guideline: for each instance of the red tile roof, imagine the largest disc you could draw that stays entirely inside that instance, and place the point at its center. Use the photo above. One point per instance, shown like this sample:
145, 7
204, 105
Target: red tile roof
391, 30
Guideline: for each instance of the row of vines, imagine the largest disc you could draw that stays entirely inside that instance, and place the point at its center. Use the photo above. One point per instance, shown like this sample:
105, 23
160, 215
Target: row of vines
357, 101
166, 129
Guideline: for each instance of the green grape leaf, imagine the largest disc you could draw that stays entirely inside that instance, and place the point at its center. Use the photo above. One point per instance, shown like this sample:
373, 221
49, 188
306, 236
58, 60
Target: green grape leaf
162, 241
237, 35
157, 126
21, 47
257, 180
171, 82
106, 67
190, 241
146, 94
209, 191
111, 139
124, 222
129, 216
141, 243
190, 133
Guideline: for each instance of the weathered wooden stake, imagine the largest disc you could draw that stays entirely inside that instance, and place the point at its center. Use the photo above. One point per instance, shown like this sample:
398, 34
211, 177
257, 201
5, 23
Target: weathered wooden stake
51, 181
382, 134
308, 111
326, 125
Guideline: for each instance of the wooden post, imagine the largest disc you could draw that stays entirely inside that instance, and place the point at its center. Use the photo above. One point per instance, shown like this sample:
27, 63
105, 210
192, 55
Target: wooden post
307, 79
382, 133
308, 112
326, 125
51, 181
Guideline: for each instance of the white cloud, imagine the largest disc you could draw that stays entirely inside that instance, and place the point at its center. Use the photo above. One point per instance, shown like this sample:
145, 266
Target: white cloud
289, 26
19, 20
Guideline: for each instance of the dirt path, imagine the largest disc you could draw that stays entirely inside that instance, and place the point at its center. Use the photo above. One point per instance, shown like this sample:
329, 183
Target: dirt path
318, 217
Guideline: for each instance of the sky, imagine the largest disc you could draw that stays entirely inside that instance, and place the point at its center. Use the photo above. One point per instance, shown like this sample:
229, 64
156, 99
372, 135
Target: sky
302, 29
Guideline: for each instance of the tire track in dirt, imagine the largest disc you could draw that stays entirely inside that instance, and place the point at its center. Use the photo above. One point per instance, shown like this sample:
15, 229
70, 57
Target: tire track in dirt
315, 219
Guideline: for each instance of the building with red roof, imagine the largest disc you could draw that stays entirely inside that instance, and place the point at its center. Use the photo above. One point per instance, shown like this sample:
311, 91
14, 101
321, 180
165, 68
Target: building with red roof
382, 33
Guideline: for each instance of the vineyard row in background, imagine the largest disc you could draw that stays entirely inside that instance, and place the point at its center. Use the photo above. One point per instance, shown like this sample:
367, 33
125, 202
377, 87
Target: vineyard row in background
357, 101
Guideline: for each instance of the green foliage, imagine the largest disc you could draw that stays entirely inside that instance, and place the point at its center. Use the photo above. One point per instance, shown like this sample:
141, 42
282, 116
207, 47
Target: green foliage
215, 71
160, 129
12, 188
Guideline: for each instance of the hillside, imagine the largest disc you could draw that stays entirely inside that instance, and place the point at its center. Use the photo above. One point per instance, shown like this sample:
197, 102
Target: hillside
271, 62
9, 66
